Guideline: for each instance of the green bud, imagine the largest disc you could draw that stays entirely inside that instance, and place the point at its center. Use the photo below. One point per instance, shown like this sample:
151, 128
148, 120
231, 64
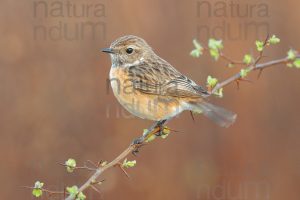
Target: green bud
128, 164
37, 190
214, 54
195, 53
219, 93
215, 44
211, 82
75, 194
244, 72
73, 191
297, 63
198, 51
70, 165
80, 196
165, 133
291, 54
151, 138
248, 59
259, 45
273, 40
197, 45
214, 47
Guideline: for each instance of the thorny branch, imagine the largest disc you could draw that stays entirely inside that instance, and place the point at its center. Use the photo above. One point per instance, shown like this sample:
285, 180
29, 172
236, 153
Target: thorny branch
155, 128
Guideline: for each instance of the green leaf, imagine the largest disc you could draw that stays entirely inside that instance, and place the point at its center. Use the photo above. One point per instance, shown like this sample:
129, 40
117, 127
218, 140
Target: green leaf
151, 138
128, 164
81, 196
195, 53
75, 194
165, 133
73, 191
259, 45
219, 93
214, 54
38, 184
198, 49
37, 190
211, 82
273, 40
248, 59
244, 72
197, 45
214, 48
215, 44
37, 193
70, 165
291, 54
297, 63
290, 65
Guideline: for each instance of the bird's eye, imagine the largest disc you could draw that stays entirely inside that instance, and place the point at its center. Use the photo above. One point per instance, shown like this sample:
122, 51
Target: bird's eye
129, 50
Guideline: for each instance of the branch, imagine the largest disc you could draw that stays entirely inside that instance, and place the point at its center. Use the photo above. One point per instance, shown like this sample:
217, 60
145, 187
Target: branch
249, 64
133, 147
251, 68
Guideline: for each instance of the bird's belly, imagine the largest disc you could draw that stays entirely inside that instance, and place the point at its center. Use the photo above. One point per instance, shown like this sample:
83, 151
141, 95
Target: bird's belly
146, 106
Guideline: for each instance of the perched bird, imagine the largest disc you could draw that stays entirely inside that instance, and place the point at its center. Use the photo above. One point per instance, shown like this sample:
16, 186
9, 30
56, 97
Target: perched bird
151, 88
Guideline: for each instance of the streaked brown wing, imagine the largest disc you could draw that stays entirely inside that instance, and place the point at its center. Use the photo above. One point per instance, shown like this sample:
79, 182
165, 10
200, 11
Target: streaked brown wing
162, 79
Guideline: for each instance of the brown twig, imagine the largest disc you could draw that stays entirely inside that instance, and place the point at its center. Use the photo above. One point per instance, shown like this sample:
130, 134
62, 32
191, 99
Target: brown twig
47, 191
252, 67
123, 170
131, 148
231, 61
85, 167
154, 128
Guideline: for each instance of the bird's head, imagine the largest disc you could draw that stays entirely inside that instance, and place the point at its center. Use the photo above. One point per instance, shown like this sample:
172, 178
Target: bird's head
128, 50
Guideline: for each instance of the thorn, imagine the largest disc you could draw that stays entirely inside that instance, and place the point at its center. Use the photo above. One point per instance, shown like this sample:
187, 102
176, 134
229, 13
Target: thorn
123, 170
100, 163
192, 115
259, 73
92, 163
65, 191
246, 80
237, 83
173, 130
135, 152
137, 149
94, 182
94, 188
267, 38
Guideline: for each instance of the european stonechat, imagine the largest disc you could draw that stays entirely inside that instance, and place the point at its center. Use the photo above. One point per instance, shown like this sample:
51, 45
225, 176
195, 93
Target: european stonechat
151, 88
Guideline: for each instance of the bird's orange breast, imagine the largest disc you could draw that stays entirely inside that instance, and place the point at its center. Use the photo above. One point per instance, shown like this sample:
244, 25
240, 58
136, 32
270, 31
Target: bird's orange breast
146, 106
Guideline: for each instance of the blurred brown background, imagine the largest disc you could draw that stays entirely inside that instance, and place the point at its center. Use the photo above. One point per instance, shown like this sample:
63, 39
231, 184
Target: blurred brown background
54, 103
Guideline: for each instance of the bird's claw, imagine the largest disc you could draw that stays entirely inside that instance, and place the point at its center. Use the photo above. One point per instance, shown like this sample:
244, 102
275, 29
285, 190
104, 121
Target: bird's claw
137, 142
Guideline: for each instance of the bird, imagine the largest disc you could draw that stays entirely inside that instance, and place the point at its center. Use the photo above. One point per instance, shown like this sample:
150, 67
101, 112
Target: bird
150, 88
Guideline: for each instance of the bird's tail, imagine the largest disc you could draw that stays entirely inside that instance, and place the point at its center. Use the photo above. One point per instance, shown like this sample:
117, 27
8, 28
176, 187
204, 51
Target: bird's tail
219, 115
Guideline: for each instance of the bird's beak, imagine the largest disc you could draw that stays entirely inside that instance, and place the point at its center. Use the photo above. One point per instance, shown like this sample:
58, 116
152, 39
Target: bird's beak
107, 50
